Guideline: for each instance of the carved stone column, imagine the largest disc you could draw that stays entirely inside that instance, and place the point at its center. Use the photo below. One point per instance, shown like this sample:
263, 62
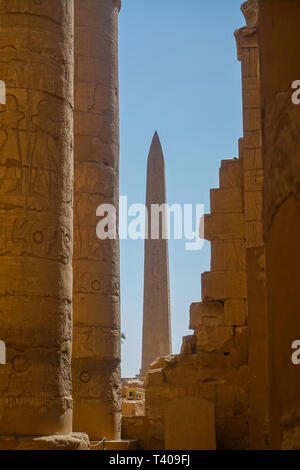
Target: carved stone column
96, 352
36, 179
251, 157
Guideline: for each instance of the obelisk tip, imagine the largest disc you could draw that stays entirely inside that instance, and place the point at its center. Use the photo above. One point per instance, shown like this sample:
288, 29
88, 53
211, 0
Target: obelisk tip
156, 151
156, 136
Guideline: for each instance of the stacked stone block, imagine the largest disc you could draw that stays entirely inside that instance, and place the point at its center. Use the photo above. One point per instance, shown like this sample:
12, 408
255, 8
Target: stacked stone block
213, 363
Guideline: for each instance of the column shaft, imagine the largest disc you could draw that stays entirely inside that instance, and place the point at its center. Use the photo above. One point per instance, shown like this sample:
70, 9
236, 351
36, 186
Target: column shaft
96, 352
36, 178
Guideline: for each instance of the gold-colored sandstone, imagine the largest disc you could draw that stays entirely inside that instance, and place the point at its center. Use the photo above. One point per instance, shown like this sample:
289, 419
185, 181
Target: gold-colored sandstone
96, 345
233, 385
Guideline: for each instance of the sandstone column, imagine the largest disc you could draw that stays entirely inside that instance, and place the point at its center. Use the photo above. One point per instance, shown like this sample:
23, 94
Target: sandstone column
251, 156
36, 178
96, 351
156, 318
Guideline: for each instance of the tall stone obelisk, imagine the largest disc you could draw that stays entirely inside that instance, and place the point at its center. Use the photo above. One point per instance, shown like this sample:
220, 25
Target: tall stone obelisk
156, 317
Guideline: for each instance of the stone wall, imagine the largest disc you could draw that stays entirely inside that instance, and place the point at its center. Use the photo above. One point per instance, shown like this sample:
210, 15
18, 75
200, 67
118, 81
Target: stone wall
213, 364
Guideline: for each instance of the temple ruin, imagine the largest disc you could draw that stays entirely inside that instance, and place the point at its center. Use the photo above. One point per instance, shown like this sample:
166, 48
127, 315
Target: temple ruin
234, 379
233, 385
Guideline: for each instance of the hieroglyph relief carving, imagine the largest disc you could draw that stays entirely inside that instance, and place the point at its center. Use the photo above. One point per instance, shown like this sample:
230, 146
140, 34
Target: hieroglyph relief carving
38, 177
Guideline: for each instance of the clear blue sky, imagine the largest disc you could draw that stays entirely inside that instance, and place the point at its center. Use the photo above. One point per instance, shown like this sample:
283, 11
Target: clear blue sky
179, 75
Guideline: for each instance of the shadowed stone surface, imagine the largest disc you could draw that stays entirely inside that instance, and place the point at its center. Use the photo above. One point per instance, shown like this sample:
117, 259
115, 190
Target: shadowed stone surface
190, 424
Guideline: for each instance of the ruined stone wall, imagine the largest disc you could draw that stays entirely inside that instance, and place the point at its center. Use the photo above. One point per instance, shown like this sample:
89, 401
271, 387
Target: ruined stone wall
224, 361
36, 218
213, 364
96, 350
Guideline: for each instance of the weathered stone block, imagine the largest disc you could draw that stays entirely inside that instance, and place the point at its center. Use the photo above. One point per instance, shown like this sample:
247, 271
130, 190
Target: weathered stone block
212, 360
223, 226
252, 139
206, 314
252, 119
251, 92
239, 354
219, 285
247, 38
226, 200
232, 399
188, 345
228, 255
214, 339
154, 377
231, 174
253, 159
156, 433
133, 408
133, 427
253, 205
254, 234
184, 372
253, 180
250, 62
156, 403
254, 62
190, 424
235, 312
